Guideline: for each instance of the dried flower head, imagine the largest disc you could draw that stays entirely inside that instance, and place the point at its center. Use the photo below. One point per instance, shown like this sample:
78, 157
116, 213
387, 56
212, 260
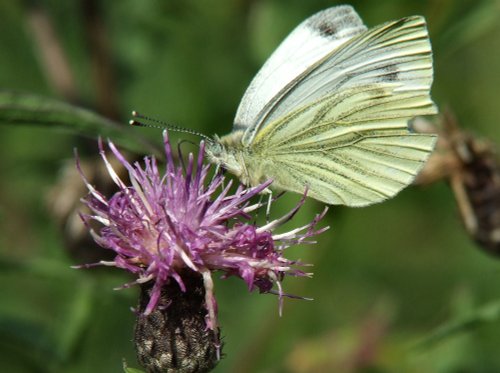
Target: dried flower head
162, 225
471, 166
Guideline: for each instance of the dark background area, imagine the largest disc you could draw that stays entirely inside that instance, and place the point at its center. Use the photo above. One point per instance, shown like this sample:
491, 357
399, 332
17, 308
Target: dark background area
386, 277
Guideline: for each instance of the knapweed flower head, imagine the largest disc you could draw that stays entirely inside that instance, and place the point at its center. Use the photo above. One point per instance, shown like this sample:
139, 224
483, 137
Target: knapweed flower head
161, 225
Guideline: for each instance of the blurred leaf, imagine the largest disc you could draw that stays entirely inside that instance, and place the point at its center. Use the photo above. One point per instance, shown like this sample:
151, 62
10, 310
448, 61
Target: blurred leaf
33, 110
78, 316
485, 314
46, 334
24, 337
477, 22
131, 370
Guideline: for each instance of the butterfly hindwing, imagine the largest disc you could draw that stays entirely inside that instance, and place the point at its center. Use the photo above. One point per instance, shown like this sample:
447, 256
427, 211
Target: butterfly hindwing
352, 148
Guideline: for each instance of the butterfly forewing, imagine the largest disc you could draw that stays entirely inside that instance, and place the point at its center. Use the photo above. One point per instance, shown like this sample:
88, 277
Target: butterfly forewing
396, 52
309, 42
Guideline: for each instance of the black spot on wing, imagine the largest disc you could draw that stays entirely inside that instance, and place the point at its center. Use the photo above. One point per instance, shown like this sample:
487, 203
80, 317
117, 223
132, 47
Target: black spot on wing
391, 73
326, 28
336, 22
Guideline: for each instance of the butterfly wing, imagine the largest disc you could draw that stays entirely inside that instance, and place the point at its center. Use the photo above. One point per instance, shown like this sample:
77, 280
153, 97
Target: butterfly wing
397, 51
314, 38
349, 140
355, 149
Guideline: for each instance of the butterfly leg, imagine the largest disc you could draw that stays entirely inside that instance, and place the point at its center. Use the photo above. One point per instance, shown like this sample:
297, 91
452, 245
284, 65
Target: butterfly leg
259, 205
218, 171
268, 207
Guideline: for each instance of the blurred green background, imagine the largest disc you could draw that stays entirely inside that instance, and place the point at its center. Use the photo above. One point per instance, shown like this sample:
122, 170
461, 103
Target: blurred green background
398, 287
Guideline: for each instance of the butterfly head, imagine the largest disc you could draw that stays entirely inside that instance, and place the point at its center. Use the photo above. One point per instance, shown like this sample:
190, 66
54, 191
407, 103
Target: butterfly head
222, 152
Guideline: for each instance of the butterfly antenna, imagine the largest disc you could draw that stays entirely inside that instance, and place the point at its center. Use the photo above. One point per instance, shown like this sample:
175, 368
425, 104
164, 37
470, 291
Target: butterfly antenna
163, 125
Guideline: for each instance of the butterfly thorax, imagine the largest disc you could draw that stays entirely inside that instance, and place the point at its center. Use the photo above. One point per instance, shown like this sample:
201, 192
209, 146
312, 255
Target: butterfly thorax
229, 152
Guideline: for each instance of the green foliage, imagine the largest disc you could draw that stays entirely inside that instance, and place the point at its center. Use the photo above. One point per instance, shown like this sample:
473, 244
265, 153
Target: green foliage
387, 278
126, 369
31, 110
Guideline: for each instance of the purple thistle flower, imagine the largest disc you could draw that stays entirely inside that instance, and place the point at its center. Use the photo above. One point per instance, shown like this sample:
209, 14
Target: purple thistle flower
161, 225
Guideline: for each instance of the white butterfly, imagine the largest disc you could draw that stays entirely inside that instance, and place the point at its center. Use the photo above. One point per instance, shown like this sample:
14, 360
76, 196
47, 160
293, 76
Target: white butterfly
330, 108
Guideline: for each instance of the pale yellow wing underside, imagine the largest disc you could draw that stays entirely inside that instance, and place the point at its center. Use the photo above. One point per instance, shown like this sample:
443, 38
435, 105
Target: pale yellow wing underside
352, 148
351, 145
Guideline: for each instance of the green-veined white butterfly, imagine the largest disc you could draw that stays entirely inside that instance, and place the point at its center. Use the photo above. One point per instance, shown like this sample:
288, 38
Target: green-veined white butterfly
329, 111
